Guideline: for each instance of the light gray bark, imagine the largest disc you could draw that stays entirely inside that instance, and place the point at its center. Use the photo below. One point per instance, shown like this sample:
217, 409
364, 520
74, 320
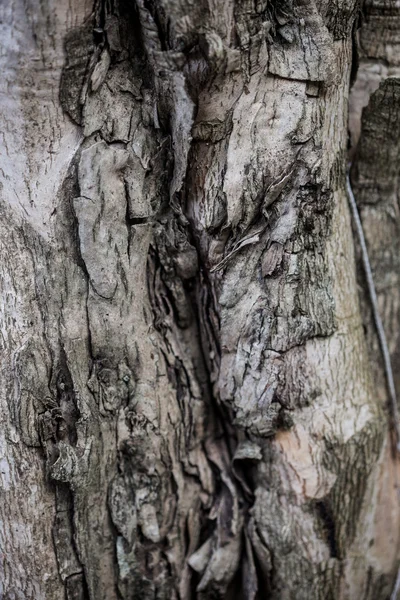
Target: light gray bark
193, 402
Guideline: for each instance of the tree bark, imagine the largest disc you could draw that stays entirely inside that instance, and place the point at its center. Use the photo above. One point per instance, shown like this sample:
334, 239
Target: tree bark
193, 400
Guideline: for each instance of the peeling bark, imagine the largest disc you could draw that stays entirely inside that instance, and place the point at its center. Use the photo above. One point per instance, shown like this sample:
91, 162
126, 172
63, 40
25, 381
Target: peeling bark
193, 399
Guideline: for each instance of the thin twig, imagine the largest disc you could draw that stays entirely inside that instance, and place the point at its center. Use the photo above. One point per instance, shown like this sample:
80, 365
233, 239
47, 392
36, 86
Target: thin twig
396, 588
378, 321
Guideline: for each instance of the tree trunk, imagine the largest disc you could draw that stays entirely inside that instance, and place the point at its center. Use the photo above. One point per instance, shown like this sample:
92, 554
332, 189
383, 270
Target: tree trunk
193, 399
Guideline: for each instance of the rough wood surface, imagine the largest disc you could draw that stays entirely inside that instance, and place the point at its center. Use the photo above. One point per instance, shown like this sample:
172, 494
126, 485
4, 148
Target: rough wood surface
192, 402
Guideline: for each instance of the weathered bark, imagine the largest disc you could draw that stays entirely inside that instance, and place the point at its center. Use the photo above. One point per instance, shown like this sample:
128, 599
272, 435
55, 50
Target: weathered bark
193, 399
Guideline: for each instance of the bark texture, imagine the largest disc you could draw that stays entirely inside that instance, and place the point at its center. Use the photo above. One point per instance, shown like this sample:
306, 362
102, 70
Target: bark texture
193, 403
